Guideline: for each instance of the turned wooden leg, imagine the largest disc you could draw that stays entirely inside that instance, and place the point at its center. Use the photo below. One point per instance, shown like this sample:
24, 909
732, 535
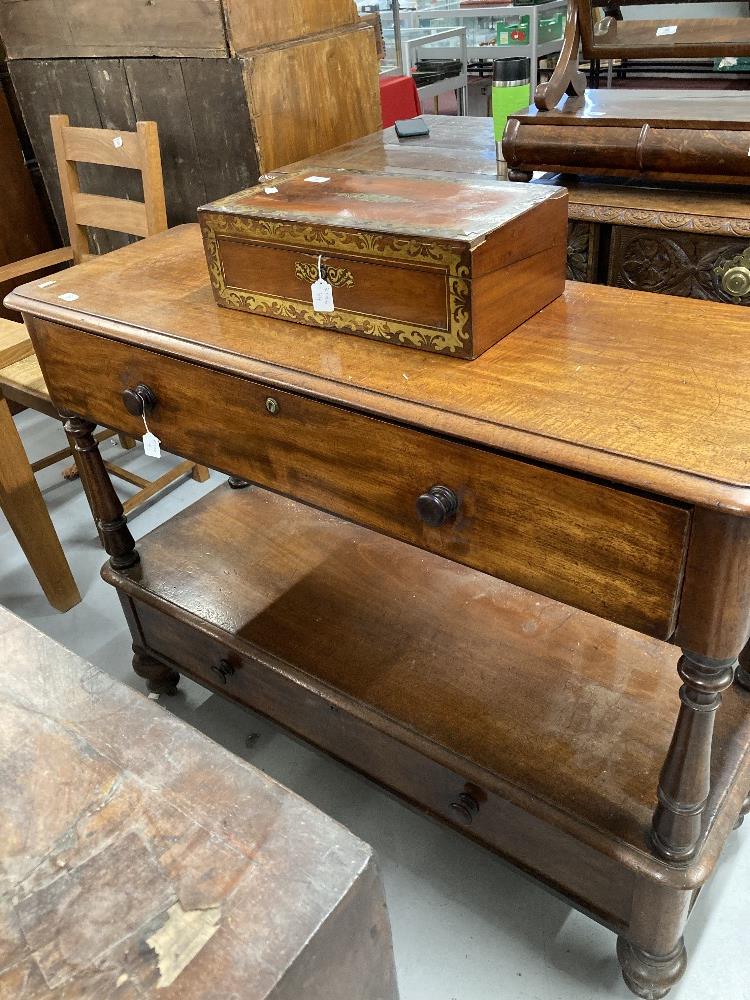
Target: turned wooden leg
684, 783
104, 502
159, 679
651, 976
653, 956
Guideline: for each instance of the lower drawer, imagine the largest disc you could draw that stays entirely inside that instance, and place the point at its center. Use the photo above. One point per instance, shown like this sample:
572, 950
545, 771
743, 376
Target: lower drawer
375, 745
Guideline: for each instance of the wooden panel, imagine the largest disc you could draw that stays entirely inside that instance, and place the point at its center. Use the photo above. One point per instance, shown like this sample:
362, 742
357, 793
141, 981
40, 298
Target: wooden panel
23, 229
518, 521
157, 88
106, 146
15, 343
114, 213
672, 263
40, 29
220, 119
263, 23
300, 118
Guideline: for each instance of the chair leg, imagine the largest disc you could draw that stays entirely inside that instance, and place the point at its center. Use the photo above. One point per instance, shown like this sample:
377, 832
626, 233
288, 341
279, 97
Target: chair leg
128, 443
200, 474
23, 505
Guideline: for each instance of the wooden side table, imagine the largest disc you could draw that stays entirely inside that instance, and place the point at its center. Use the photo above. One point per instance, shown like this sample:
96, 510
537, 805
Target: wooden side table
140, 859
588, 458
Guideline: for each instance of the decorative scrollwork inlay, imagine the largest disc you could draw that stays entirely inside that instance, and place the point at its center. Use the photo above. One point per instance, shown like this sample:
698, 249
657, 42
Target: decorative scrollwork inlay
339, 277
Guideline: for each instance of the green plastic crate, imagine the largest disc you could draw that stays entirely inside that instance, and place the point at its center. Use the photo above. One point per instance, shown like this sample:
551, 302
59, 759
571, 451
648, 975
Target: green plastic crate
514, 30
549, 29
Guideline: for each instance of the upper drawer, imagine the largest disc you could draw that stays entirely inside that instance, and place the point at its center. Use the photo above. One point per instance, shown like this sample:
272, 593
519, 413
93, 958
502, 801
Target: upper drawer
608, 551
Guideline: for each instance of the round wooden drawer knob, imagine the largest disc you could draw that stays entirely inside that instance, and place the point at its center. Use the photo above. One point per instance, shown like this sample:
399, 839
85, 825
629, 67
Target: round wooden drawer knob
139, 401
465, 808
437, 506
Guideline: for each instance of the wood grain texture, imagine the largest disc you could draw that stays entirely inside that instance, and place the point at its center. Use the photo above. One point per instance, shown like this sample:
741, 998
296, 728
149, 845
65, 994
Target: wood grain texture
15, 343
698, 136
23, 505
43, 29
429, 676
299, 119
265, 23
145, 878
604, 381
517, 521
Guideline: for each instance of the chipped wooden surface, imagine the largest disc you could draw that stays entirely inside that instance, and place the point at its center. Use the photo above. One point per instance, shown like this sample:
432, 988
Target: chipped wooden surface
140, 859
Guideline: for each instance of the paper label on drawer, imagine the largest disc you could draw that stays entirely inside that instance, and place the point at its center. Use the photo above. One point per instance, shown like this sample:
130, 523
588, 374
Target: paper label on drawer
151, 445
322, 296
668, 29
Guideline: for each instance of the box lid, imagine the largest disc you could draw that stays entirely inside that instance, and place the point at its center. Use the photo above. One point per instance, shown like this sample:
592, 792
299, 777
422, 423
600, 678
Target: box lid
445, 208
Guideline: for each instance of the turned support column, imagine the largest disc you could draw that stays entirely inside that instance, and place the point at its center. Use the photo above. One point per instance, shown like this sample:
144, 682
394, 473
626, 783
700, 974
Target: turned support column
105, 504
685, 780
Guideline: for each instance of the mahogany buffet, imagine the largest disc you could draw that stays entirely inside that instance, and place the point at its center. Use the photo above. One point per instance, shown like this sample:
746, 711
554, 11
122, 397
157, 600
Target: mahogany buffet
471, 580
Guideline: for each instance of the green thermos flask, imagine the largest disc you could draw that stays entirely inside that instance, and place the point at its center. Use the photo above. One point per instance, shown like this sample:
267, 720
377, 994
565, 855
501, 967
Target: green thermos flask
511, 91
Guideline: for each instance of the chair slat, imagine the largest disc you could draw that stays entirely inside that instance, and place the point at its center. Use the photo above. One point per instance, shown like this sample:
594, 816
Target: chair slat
104, 212
103, 146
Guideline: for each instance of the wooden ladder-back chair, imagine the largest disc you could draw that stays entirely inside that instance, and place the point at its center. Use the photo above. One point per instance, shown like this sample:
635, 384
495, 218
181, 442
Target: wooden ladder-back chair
612, 38
23, 382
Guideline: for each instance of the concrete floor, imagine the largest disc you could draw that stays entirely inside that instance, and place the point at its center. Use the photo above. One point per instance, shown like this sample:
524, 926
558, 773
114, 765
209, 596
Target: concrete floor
466, 926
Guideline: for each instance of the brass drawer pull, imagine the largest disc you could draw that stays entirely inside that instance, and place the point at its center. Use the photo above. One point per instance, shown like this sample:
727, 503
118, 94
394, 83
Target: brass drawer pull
140, 401
465, 808
437, 506
224, 670
339, 277
735, 277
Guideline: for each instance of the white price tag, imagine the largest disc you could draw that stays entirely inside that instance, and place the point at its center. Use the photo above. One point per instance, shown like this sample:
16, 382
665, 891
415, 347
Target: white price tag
151, 445
314, 179
322, 296
117, 142
668, 29
68, 297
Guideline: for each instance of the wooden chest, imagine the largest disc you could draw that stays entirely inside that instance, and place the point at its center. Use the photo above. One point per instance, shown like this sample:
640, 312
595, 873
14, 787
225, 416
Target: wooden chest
441, 264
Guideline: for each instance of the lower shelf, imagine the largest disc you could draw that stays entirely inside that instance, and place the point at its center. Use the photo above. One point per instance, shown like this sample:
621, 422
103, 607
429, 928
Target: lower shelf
439, 682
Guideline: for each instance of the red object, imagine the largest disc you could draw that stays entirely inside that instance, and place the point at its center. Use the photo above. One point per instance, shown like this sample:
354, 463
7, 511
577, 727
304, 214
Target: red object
398, 99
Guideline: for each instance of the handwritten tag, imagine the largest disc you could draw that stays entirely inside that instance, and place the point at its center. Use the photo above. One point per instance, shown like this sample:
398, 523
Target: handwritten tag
151, 445
117, 142
668, 29
322, 296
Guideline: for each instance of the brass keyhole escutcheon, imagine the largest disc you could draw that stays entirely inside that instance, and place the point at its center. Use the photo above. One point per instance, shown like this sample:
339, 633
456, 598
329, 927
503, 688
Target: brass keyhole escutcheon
272, 406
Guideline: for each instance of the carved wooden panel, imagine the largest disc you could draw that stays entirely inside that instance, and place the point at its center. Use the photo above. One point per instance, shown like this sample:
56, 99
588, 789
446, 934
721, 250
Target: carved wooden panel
583, 251
674, 263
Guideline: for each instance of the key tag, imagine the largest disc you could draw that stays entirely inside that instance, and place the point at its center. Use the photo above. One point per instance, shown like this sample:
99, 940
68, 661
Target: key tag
151, 443
322, 292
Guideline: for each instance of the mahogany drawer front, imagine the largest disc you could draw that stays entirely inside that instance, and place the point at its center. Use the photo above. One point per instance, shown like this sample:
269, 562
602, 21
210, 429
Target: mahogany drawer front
357, 283
341, 728
607, 551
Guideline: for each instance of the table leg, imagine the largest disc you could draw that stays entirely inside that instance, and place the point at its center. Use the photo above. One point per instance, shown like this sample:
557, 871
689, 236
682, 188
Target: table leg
653, 958
685, 779
23, 505
105, 503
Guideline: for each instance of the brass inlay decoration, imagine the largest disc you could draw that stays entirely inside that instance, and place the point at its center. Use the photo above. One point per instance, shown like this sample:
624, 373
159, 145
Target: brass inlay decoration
372, 246
735, 277
339, 277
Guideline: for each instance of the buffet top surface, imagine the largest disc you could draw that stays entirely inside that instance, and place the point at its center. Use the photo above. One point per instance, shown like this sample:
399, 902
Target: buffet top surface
649, 391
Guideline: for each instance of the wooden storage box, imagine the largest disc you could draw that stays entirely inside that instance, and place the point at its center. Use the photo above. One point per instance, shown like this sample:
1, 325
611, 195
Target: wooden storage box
437, 263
